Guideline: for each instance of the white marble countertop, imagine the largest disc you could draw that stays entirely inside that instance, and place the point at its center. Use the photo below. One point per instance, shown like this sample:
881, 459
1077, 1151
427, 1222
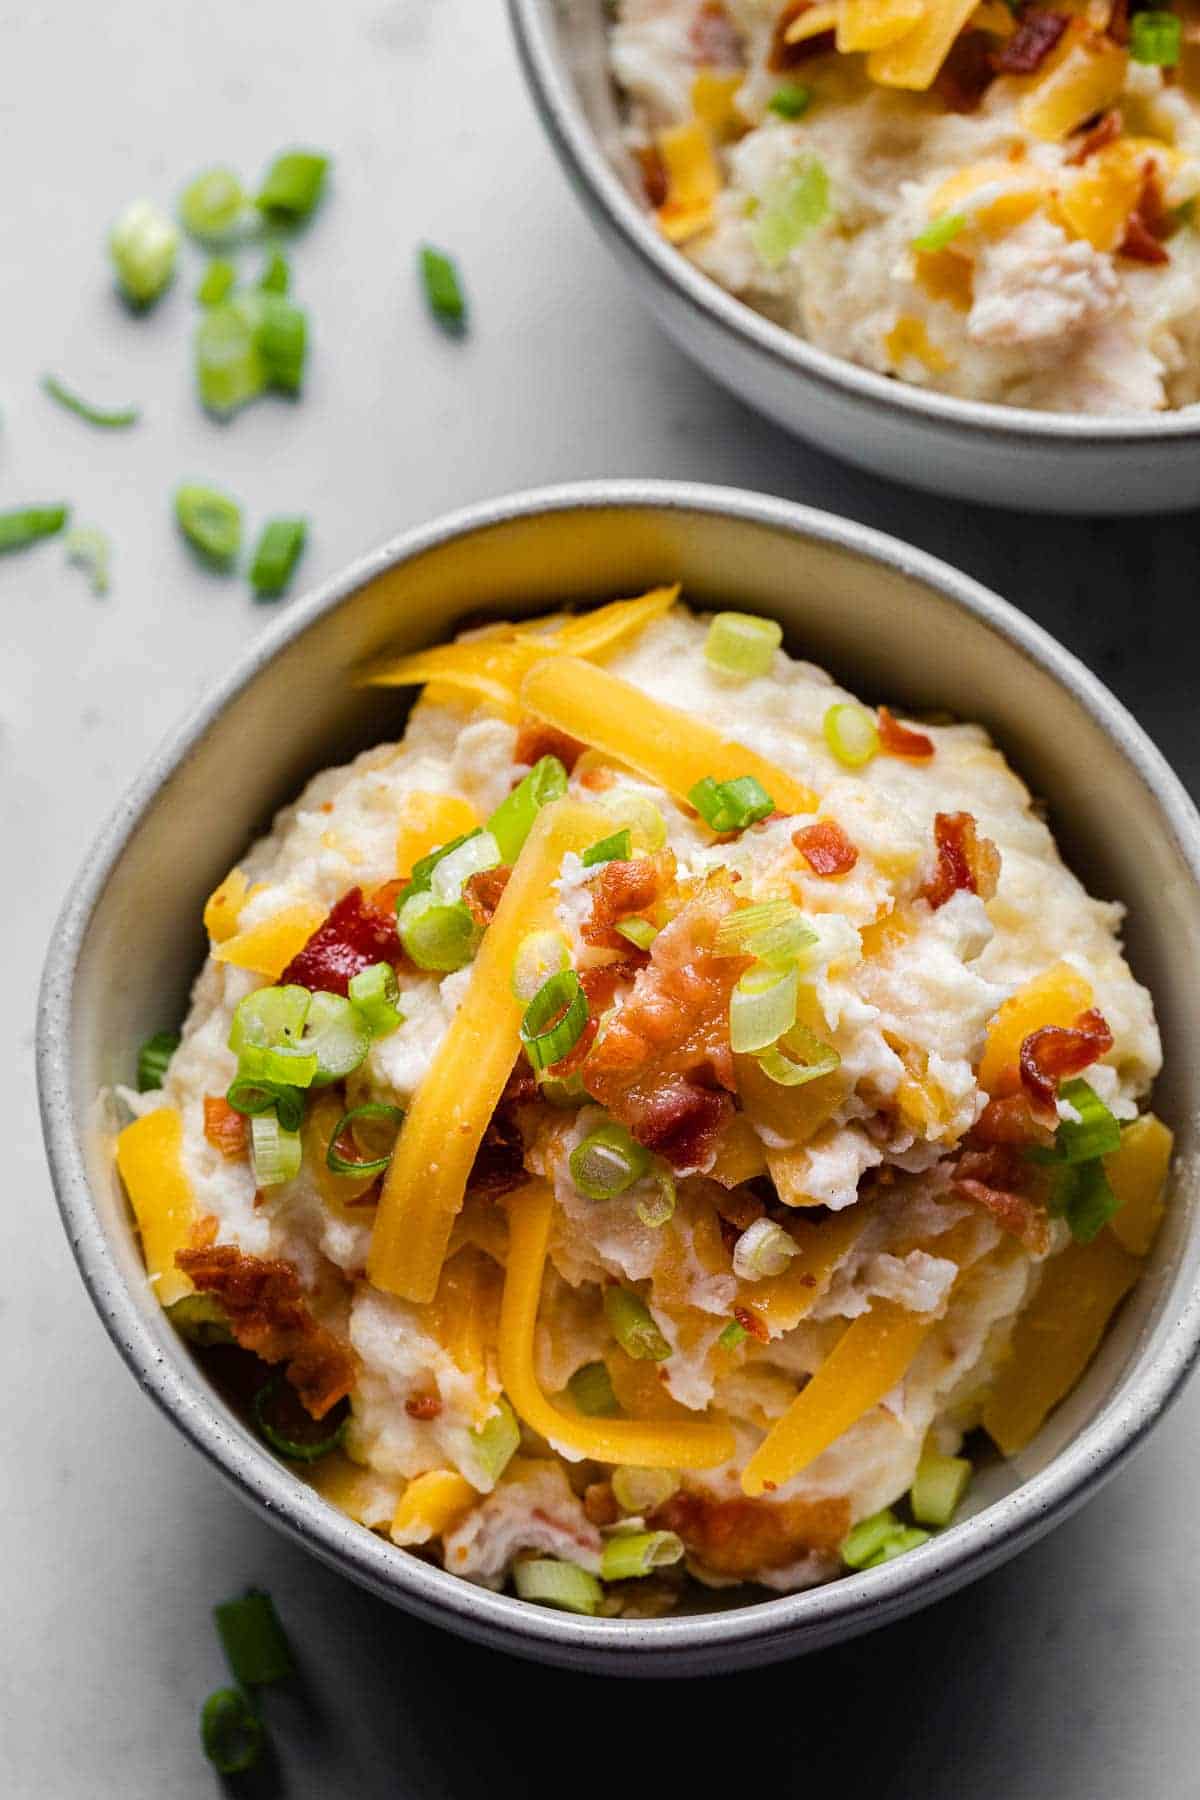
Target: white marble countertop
1073, 1672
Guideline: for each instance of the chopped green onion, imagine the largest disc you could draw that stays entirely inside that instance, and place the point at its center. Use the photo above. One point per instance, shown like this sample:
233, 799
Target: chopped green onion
851, 733
764, 1249
629, 1554
112, 418
293, 184
742, 645
281, 335
26, 524
799, 1057
1096, 1133
88, 549
940, 232
278, 551
373, 1113
905, 1539
1156, 37
643, 1491
938, 1485
731, 805
773, 932
733, 1336
143, 245
293, 1064
1083, 1194
636, 810
565, 1091
201, 1319
274, 1151
284, 1423
229, 366
376, 994
252, 1095
790, 207
421, 877
336, 1033
211, 521
655, 1210
435, 936
540, 954
878, 1539
512, 820
497, 1441
762, 1007
443, 289
633, 1327
217, 282
791, 101
607, 1162
560, 1584
153, 1058
253, 1639
591, 1389
554, 1020
640, 932
213, 205
231, 1731
617, 848
474, 856
276, 277
269, 1018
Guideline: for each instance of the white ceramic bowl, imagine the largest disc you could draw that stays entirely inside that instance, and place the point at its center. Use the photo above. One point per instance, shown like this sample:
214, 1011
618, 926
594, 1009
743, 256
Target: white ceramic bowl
892, 623
1006, 455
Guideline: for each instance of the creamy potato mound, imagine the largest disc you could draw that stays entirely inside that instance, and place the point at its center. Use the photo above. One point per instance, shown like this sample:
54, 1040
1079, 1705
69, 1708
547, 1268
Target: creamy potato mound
949, 975
994, 203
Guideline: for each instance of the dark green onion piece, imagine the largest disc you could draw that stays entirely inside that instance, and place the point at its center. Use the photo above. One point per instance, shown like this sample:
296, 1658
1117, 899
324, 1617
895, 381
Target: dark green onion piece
201, 1319
731, 805
282, 340
276, 277
443, 289
554, 1020
114, 418
1096, 1134
26, 524
153, 1058
230, 1731
442, 938
213, 205
591, 1389
251, 1096
1156, 37
376, 994
253, 1639
617, 848
293, 184
791, 101
276, 555
375, 1112
512, 820
288, 1428
1083, 1196
211, 521
217, 282
735, 1333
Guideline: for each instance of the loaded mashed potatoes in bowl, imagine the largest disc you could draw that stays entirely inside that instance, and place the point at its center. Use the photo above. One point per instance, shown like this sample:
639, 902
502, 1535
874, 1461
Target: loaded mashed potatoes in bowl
655, 1125
991, 200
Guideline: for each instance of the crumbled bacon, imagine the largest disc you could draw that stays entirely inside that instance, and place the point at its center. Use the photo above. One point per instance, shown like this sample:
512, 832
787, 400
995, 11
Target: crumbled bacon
896, 739
825, 848
750, 1322
655, 183
1105, 131
967, 73
966, 863
621, 889
713, 38
1031, 43
535, 738
599, 986
499, 1164
992, 1179
783, 55
1149, 222
680, 1121
739, 1208
1057, 1053
269, 1315
225, 1127
741, 1537
355, 934
481, 893
600, 1503
423, 1406
1009, 1119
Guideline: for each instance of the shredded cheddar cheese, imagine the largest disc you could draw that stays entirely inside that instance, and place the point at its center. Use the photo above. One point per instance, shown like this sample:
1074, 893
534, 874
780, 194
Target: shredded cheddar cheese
150, 1160
693, 180
268, 947
431, 1505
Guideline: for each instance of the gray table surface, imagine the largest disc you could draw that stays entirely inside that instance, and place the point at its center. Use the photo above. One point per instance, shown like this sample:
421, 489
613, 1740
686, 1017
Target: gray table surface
1074, 1671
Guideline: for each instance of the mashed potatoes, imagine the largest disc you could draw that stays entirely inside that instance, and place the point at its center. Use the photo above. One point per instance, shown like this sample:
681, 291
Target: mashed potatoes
704, 1258
995, 203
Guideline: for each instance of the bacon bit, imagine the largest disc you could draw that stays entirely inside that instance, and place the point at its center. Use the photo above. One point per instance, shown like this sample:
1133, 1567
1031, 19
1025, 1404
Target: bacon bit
269, 1315
481, 893
355, 935
741, 1537
1149, 222
751, 1323
966, 862
713, 38
783, 55
1058, 1052
423, 1406
535, 738
655, 183
499, 1164
622, 889
1031, 43
1118, 22
1139, 244
599, 986
225, 1127
680, 1122
600, 1503
967, 73
1010, 1120
896, 739
991, 1179
826, 848
739, 1208
1107, 129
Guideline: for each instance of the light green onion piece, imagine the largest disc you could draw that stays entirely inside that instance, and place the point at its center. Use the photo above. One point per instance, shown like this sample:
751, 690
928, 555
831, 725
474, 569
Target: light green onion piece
293, 184
639, 932
474, 856
230, 1731
554, 1020
229, 366
851, 733
938, 1486
742, 645
905, 1539
1156, 37
791, 101
798, 1058
591, 1389
143, 245
201, 1319
376, 994
374, 1126
643, 1491
496, 1441
213, 206
443, 288
563, 1091
253, 1094
658, 1207
730, 805
790, 207
88, 548
559, 1584
276, 277
638, 812
866, 1539
435, 936
764, 1249
338, 1035
630, 1554
512, 820
762, 1007
607, 1162
274, 1151
633, 1327
269, 1017
154, 1057
210, 521
291, 1064
26, 524
109, 418
940, 232
253, 1639
1096, 1133
733, 1336
281, 334
774, 931
540, 954
275, 557
617, 848
217, 282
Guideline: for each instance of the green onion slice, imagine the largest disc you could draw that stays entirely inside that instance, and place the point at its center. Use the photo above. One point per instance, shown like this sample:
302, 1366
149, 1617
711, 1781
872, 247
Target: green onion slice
293, 184
88, 548
798, 1058
639, 932
643, 1491
905, 1539
868, 1537
560, 1584
790, 207
656, 1208
376, 994
633, 1326
762, 1007
742, 645
731, 805
733, 1336
764, 1249
774, 931
211, 521
497, 1441
1082, 1194
276, 277
791, 101
443, 288
851, 733
253, 1639
591, 1388
213, 206
282, 1420
938, 1486
1156, 37
629, 1554
631, 808
512, 820
201, 1319
336, 1033
1096, 1133
421, 878
217, 282
566, 1091
437, 937
940, 232
269, 1018
608, 1161
540, 955
288, 1065
373, 1126
229, 365
111, 418
153, 1058
554, 1020
281, 336
274, 1151
617, 848
253, 1095
143, 245
230, 1731
474, 856
276, 554
26, 524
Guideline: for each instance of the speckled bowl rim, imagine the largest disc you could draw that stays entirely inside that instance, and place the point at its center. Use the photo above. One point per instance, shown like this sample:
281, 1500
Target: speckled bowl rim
576, 143
752, 1634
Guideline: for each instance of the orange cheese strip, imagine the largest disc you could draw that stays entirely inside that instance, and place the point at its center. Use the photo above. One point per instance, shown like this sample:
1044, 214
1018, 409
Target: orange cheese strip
873, 24
268, 947
150, 1161
1055, 997
913, 61
431, 1505
1137, 1173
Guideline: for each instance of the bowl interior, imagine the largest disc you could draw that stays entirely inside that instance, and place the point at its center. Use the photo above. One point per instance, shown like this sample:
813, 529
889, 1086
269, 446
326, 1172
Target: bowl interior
884, 630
